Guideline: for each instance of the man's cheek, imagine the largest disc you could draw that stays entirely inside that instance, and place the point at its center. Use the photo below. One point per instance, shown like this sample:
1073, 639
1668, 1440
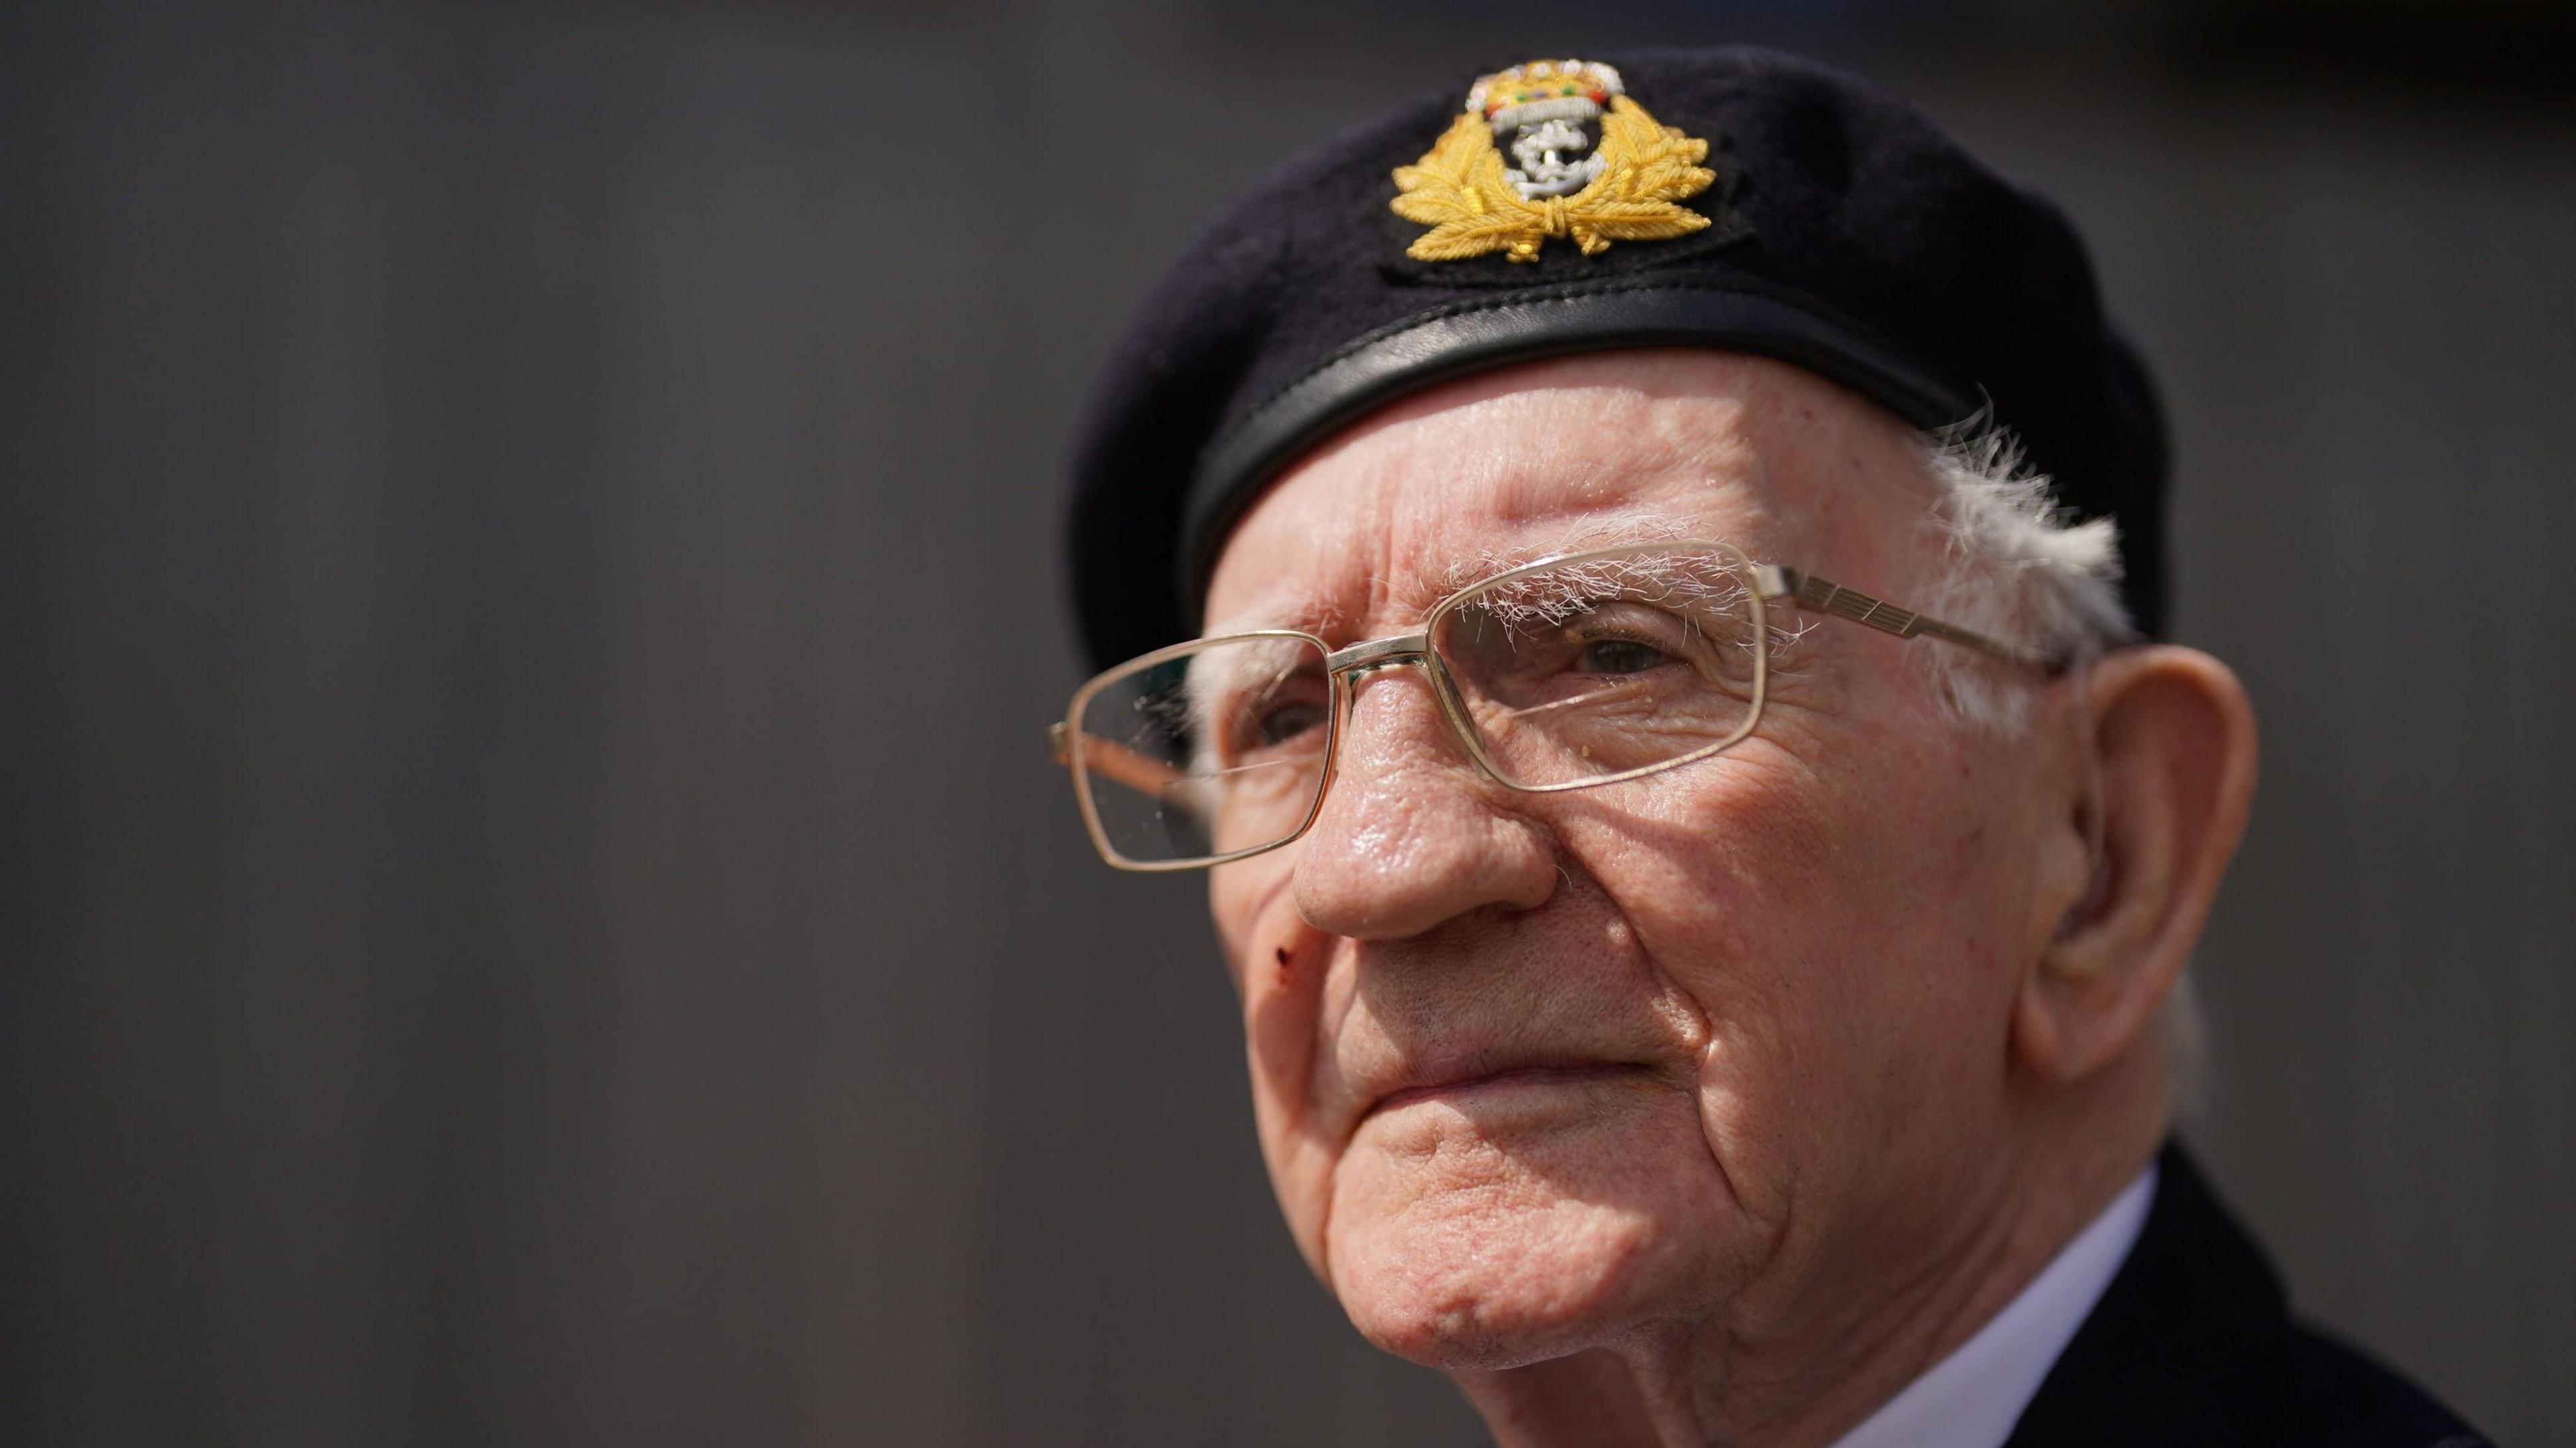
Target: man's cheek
1282, 986
1744, 894
1279, 964
1234, 907
1721, 882
1281, 1013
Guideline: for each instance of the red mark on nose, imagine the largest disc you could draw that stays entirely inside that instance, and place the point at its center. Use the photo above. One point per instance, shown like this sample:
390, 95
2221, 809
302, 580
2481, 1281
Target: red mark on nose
1284, 962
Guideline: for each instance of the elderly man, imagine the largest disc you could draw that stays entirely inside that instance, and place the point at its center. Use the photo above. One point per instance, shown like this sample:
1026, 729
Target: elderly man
1667, 554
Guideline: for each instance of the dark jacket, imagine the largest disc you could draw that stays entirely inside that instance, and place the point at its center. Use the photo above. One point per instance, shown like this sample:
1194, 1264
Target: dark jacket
2192, 1344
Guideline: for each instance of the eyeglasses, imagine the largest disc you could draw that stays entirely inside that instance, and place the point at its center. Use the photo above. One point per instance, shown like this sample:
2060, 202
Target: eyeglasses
1580, 670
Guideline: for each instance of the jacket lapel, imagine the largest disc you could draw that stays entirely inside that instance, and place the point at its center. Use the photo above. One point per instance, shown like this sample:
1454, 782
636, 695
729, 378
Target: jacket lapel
2184, 1346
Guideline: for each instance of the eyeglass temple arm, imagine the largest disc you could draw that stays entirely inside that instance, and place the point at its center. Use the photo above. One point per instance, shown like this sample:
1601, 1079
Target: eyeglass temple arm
1139, 772
1774, 581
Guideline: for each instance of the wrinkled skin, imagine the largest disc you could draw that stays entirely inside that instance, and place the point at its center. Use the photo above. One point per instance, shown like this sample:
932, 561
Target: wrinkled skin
1713, 1106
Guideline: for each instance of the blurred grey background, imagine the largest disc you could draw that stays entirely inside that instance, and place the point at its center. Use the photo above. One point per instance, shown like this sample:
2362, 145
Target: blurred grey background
535, 911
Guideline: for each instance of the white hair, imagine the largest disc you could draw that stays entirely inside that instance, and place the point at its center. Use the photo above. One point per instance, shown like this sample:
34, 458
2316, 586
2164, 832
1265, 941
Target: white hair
2017, 566
2182, 1035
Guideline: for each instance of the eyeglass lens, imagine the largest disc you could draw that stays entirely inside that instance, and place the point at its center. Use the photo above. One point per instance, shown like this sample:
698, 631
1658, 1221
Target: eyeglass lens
1218, 750
1605, 665
1595, 667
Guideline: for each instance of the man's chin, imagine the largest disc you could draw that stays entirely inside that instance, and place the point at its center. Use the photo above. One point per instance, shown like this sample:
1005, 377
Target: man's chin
1466, 1239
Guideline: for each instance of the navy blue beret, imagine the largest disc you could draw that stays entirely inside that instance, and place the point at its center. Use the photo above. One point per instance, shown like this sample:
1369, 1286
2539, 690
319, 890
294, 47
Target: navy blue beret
1825, 222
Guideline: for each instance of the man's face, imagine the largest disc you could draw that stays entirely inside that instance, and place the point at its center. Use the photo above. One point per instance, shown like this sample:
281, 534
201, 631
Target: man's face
1534, 1073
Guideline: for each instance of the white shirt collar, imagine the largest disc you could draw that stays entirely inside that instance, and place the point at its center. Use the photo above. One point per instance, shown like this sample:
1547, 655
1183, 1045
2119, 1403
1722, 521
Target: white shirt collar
1972, 1398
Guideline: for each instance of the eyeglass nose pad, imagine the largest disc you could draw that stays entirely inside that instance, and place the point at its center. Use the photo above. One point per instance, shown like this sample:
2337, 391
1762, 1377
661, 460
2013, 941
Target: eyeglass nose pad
1443, 721
1346, 691
1353, 678
1352, 666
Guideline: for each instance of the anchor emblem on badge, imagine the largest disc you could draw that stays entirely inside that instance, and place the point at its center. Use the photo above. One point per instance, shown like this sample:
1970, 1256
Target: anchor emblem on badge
1588, 164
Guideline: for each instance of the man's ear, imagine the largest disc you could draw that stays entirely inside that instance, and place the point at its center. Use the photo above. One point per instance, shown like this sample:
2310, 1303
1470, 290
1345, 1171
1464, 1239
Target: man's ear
2170, 735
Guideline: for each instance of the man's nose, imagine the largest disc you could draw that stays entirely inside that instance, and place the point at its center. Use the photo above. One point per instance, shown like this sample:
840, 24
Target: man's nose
1411, 835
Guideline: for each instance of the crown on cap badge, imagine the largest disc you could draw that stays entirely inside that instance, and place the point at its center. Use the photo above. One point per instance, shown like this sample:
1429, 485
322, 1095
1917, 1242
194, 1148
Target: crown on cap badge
1591, 165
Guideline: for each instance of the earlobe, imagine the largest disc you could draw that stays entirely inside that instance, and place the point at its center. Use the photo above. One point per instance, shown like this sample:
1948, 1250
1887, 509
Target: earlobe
2171, 765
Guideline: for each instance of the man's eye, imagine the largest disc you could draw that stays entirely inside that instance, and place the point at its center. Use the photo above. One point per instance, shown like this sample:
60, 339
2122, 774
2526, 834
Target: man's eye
1284, 721
1619, 656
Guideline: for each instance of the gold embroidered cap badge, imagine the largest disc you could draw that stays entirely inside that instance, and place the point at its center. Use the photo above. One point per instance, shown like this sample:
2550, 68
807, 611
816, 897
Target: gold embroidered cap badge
1593, 166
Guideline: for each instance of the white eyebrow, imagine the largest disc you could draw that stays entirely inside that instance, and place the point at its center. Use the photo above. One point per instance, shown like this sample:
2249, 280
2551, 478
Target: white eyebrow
1306, 610
1215, 674
1314, 610
1589, 533
1543, 601
1221, 677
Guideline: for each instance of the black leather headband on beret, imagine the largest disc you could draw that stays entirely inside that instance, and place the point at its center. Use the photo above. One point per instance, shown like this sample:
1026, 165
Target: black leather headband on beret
1825, 223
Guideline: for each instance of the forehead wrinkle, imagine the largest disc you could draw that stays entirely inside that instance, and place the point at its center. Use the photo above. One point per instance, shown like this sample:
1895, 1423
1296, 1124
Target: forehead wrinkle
1570, 533
1526, 512
1427, 551
1545, 452
1437, 491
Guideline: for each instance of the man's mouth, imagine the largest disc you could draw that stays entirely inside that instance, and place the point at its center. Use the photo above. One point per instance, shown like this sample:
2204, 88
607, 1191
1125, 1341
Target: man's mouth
1543, 1077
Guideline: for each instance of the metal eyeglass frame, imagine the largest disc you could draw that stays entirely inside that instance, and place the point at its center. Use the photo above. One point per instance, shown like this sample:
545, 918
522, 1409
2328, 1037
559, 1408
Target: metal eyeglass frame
1770, 583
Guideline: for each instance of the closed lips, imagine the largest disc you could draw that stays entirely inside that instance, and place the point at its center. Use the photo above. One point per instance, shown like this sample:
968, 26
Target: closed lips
1561, 1073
